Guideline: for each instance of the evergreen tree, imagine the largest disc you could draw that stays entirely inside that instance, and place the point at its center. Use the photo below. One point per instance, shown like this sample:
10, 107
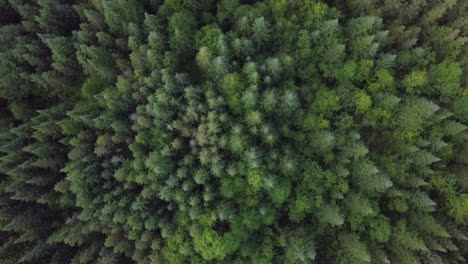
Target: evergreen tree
233, 131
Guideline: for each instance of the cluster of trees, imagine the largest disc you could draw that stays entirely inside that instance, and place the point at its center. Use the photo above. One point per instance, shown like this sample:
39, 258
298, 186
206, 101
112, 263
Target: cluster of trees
233, 131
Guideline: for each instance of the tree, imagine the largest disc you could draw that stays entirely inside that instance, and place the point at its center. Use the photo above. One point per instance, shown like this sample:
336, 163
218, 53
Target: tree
276, 131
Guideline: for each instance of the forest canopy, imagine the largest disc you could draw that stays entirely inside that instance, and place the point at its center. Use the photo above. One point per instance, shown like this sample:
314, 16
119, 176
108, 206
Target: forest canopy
233, 131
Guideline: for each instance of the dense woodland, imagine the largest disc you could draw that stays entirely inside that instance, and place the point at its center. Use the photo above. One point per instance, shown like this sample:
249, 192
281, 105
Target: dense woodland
233, 131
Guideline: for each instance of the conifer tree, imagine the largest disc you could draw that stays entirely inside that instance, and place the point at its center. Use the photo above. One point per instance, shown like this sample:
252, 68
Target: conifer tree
233, 131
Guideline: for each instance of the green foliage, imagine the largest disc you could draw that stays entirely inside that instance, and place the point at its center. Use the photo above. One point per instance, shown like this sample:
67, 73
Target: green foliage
233, 131
460, 107
416, 79
92, 86
447, 78
380, 230
330, 214
326, 102
458, 209
209, 244
231, 86
353, 250
300, 248
363, 101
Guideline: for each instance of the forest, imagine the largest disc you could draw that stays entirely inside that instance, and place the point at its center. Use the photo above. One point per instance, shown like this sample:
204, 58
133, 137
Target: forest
233, 131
